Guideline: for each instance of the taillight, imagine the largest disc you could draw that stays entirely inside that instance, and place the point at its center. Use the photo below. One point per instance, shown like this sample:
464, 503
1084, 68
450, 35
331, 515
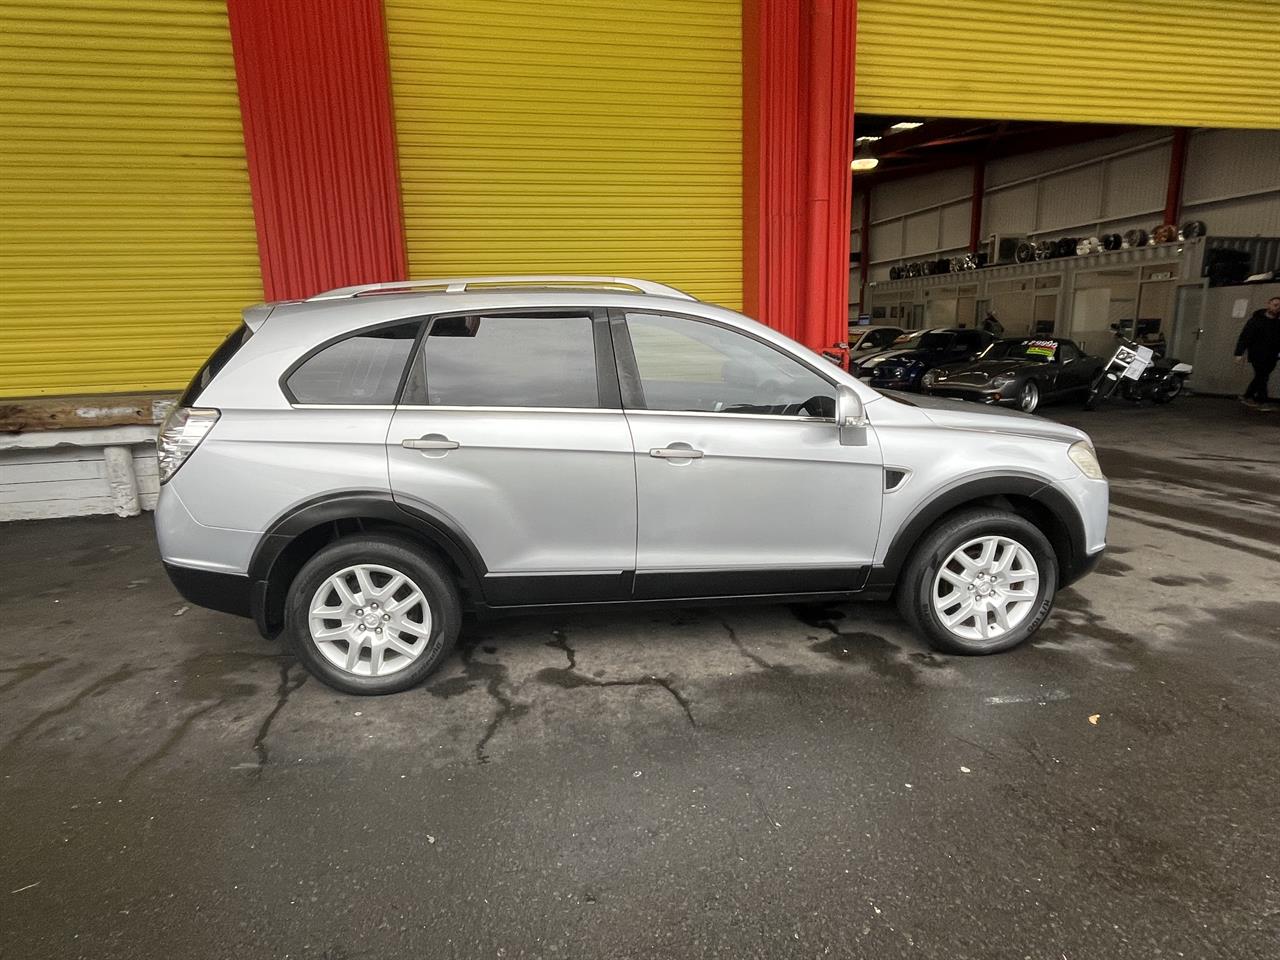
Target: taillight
180, 434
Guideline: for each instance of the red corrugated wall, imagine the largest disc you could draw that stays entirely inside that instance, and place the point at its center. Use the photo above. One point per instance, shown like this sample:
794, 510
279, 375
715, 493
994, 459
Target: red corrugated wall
797, 63
315, 99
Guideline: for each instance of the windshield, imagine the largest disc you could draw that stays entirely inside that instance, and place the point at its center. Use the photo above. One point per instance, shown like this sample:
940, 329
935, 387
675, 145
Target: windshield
909, 339
1041, 350
935, 341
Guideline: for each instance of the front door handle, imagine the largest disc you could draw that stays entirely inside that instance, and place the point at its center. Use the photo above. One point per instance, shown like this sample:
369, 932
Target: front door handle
676, 453
432, 441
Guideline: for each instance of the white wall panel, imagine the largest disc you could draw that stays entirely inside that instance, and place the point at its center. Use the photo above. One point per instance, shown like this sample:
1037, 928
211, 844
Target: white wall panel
920, 234
1012, 210
955, 224
1226, 163
1135, 183
1038, 164
903, 196
1243, 217
886, 240
1071, 198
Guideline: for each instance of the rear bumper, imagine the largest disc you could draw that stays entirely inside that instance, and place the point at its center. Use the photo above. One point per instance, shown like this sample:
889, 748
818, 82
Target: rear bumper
225, 592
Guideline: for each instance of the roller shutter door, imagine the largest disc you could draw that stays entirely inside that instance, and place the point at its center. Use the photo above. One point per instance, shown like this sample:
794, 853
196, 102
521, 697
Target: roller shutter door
127, 244
572, 136
1178, 62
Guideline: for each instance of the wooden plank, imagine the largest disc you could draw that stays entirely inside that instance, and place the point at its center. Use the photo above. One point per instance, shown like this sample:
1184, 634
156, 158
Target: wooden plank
62, 490
88, 438
58, 413
49, 509
59, 454
19, 474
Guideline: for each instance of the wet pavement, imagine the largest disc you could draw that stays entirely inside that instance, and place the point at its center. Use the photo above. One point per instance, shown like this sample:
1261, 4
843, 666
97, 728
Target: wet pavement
728, 782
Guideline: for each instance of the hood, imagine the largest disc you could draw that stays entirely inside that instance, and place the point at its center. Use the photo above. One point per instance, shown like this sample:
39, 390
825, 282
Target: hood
983, 371
964, 415
893, 356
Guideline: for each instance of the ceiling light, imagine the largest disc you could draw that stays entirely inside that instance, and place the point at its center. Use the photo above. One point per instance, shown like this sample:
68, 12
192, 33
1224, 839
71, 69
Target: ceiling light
864, 163
906, 125
865, 139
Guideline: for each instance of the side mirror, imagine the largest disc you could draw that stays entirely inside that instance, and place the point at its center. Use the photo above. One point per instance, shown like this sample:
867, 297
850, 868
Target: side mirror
851, 418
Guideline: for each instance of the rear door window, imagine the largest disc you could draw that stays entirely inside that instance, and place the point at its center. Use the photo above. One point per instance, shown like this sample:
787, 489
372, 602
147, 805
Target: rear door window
363, 368
506, 360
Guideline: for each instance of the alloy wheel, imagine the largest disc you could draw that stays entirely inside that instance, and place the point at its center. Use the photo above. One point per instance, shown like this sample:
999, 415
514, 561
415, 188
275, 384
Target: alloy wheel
370, 620
986, 588
1029, 398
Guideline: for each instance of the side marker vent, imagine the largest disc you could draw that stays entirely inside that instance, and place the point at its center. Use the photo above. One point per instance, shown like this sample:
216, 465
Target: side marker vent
893, 478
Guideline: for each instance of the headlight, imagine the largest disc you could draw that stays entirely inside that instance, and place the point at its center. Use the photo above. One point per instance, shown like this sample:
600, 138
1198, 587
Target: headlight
1001, 381
929, 378
181, 433
1082, 455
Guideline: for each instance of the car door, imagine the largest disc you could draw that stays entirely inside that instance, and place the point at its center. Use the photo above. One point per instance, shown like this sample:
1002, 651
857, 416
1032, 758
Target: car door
1074, 370
510, 431
742, 484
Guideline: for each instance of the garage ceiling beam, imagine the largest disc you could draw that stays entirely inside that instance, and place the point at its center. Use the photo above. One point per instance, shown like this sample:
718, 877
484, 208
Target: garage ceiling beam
1000, 141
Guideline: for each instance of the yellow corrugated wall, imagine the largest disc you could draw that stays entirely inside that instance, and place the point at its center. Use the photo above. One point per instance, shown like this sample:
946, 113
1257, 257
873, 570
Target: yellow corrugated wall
127, 246
1209, 63
600, 136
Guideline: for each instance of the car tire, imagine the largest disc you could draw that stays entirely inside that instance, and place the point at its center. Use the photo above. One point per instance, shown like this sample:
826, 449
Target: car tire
415, 621
1029, 397
924, 591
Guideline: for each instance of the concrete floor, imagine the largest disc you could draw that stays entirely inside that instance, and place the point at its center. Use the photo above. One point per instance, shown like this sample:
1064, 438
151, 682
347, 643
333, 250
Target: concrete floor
735, 782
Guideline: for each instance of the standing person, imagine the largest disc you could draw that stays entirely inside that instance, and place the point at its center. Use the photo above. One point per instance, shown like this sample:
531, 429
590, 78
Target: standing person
1260, 340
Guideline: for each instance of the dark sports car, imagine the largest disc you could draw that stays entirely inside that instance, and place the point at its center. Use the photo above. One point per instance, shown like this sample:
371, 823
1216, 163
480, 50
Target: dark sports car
902, 365
1018, 372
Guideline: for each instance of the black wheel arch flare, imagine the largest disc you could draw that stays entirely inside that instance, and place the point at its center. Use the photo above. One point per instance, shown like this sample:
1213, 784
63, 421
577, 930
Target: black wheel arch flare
294, 537
1041, 502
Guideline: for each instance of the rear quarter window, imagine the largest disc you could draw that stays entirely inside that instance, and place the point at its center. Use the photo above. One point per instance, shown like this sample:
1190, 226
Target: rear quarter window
363, 368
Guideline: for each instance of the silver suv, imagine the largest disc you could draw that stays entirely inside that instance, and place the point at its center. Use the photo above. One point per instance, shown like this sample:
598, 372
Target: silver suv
357, 469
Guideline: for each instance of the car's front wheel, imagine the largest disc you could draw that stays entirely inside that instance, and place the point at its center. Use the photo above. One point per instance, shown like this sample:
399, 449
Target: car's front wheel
372, 614
1029, 397
981, 581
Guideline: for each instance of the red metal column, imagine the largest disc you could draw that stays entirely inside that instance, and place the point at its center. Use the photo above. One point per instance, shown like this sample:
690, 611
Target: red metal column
797, 145
315, 101
1177, 163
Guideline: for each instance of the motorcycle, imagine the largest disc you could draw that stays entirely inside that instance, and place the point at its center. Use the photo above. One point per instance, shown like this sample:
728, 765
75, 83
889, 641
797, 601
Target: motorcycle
1138, 372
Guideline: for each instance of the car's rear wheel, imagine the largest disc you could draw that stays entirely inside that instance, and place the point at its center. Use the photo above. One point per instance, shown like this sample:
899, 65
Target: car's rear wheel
372, 614
1029, 397
981, 581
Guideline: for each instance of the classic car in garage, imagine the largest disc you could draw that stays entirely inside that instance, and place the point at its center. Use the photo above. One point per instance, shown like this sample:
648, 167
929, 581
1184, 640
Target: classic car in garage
1021, 372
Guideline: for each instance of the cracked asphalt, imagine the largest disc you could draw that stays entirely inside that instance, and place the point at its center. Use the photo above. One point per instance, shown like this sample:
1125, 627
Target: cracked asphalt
746, 781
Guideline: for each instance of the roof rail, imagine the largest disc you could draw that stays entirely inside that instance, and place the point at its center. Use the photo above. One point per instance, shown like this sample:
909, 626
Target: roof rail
460, 285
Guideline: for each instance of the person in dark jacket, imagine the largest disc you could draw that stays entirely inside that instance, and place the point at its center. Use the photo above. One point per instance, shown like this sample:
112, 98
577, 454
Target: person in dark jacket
1260, 342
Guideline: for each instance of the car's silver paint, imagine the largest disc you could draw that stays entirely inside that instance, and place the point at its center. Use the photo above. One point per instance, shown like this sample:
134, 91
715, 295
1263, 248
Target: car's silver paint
263, 463
535, 490
770, 491
767, 491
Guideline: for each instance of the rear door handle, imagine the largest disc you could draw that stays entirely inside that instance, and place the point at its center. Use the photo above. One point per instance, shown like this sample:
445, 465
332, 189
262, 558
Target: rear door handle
432, 441
676, 453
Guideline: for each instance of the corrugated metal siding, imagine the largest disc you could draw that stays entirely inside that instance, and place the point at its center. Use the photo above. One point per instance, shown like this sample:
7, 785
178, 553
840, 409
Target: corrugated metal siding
572, 136
126, 230
1179, 62
316, 100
